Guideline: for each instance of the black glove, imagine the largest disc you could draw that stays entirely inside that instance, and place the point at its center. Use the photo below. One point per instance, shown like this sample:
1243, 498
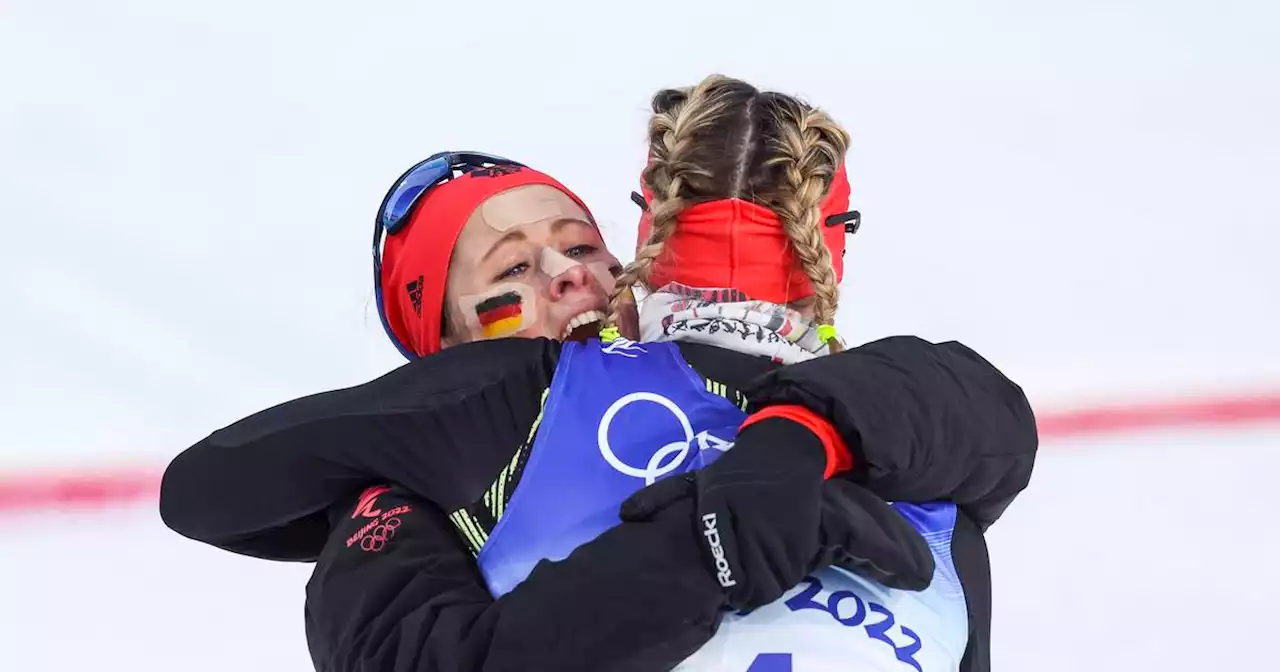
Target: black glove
757, 510
768, 518
862, 533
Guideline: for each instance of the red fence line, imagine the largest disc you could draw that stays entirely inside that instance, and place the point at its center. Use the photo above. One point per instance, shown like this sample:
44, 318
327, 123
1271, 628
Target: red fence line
1206, 412
103, 489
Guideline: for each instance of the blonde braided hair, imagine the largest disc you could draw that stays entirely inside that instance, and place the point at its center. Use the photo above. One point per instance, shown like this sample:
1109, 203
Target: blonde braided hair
726, 139
809, 148
680, 116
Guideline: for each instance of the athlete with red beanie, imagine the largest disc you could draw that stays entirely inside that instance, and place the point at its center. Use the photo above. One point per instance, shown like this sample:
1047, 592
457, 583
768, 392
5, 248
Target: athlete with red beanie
486, 222
612, 504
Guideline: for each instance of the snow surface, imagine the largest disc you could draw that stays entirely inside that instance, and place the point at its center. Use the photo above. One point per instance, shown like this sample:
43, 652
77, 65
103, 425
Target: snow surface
1133, 553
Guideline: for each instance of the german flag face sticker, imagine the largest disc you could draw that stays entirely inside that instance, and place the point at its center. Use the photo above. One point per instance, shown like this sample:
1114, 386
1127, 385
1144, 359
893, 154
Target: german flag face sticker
502, 311
500, 315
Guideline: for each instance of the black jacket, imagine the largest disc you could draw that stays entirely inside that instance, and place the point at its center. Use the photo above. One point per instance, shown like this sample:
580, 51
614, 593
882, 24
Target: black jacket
449, 434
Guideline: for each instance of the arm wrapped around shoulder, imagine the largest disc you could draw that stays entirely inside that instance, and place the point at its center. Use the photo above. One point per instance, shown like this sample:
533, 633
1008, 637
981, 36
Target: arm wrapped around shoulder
923, 421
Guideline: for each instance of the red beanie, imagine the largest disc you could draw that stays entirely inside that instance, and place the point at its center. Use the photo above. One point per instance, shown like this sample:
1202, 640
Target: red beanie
733, 243
415, 260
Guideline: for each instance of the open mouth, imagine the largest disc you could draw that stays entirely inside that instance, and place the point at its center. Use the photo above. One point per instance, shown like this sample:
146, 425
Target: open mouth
583, 326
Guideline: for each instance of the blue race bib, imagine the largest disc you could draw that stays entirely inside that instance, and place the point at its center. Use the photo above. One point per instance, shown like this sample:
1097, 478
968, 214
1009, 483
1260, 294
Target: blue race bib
620, 416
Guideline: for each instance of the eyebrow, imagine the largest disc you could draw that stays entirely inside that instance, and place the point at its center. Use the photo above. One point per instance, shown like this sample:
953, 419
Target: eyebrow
517, 234
506, 238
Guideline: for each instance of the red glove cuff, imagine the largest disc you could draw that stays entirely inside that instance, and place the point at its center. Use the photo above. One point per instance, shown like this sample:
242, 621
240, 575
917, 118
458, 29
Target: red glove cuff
839, 459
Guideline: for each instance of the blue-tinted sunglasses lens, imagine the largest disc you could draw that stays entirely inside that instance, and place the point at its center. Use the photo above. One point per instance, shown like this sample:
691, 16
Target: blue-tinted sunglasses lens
410, 188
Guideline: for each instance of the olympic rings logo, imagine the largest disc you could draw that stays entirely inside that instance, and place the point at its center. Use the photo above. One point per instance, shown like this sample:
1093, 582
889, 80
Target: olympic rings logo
378, 537
666, 459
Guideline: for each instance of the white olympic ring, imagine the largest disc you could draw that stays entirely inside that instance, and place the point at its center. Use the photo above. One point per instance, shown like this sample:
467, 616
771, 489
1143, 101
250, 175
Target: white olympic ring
656, 468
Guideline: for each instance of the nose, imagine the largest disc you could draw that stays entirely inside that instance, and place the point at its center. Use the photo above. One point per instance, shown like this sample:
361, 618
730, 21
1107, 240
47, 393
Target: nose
576, 277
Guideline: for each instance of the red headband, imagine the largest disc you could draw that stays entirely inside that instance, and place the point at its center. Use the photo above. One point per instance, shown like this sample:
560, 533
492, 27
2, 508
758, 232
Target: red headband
415, 260
732, 243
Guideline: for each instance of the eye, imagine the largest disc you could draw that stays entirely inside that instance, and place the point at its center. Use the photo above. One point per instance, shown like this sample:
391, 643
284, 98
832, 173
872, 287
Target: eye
513, 271
578, 251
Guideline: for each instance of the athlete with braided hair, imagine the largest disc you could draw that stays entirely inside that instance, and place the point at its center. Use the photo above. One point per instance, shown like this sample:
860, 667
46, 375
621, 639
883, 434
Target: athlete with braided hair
767, 219
711, 496
753, 221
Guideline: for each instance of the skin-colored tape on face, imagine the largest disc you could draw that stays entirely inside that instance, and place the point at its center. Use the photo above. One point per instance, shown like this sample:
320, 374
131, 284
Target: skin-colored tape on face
602, 271
527, 205
555, 264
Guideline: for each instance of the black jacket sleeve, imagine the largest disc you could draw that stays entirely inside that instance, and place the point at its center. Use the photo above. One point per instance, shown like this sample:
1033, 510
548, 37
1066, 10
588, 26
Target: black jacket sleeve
261, 486
925, 421
404, 595
973, 565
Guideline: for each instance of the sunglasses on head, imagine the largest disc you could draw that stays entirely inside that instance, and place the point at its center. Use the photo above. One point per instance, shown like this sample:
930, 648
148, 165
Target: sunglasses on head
404, 194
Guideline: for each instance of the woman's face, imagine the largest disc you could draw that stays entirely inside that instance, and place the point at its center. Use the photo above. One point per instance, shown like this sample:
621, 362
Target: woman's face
529, 264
